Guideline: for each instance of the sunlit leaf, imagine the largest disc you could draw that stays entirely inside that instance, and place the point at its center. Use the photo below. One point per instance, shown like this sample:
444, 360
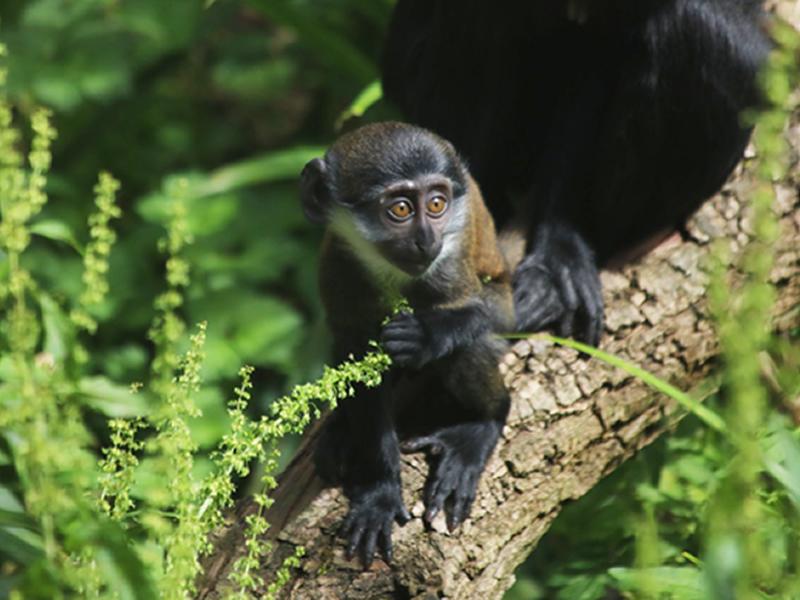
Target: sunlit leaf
365, 99
56, 230
112, 399
680, 583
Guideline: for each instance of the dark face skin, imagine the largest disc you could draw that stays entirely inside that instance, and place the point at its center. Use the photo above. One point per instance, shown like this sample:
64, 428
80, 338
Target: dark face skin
413, 214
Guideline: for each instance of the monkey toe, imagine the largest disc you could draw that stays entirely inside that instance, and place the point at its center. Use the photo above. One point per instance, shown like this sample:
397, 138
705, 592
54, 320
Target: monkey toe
451, 487
564, 296
368, 525
461, 504
536, 300
430, 444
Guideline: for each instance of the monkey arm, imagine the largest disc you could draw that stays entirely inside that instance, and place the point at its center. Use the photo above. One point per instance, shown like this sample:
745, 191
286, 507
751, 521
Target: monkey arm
415, 339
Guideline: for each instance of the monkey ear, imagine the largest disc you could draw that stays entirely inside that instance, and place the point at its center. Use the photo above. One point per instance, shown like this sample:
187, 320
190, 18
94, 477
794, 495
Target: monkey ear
314, 191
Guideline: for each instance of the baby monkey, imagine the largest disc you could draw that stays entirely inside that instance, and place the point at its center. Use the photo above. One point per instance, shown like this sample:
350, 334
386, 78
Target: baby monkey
406, 220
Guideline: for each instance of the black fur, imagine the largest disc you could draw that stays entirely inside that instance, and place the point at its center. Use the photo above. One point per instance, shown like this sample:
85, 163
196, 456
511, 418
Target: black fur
604, 122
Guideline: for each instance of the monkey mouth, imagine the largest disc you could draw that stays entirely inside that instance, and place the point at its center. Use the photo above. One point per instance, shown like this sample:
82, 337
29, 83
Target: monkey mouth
416, 267
410, 261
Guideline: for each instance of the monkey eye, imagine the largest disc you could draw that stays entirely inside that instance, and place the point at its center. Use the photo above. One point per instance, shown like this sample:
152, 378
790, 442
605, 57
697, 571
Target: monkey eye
436, 206
400, 210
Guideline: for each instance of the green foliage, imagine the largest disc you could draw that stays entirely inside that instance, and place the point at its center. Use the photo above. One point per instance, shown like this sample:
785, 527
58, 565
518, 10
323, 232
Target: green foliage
56, 530
95, 258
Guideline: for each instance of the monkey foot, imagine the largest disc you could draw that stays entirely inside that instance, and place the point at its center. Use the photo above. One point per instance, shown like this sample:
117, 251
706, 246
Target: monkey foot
368, 525
557, 287
457, 456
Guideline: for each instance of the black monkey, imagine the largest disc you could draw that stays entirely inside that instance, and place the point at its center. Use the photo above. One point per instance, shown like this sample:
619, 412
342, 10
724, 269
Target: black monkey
605, 123
405, 219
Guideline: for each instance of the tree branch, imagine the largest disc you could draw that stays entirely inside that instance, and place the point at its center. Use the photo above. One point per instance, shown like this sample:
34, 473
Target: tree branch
572, 422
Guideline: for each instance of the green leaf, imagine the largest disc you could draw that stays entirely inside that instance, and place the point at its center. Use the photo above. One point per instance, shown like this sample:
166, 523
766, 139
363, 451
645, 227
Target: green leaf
111, 399
9, 502
681, 583
365, 99
259, 329
208, 429
59, 332
119, 564
210, 202
782, 460
19, 544
57, 231
19, 539
125, 573
267, 168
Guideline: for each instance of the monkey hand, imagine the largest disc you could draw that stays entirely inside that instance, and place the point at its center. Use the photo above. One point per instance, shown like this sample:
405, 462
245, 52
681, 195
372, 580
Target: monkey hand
557, 286
373, 509
457, 456
407, 342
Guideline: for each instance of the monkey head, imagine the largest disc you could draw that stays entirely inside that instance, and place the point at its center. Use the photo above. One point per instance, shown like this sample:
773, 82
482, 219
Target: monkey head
395, 192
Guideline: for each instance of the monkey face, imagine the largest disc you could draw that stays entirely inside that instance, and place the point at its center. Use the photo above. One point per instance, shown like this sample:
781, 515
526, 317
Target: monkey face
396, 193
405, 228
410, 220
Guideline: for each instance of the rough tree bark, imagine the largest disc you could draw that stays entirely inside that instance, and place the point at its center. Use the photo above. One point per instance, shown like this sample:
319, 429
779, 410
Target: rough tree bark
573, 421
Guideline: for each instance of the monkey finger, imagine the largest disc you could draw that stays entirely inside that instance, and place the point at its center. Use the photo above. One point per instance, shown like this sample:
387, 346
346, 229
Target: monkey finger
539, 316
401, 346
401, 334
427, 443
404, 360
346, 526
531, 293
430, 514
536, 301
403, 320
462, 503
444, 486
355, 540
429, 494
569, 295
402, 517
569, 298
437, 502
386, 542
453, 519
566, 324
593, 303
370, 542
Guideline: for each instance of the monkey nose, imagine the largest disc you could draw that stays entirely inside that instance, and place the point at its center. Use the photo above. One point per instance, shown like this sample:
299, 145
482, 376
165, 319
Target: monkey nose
428, 249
